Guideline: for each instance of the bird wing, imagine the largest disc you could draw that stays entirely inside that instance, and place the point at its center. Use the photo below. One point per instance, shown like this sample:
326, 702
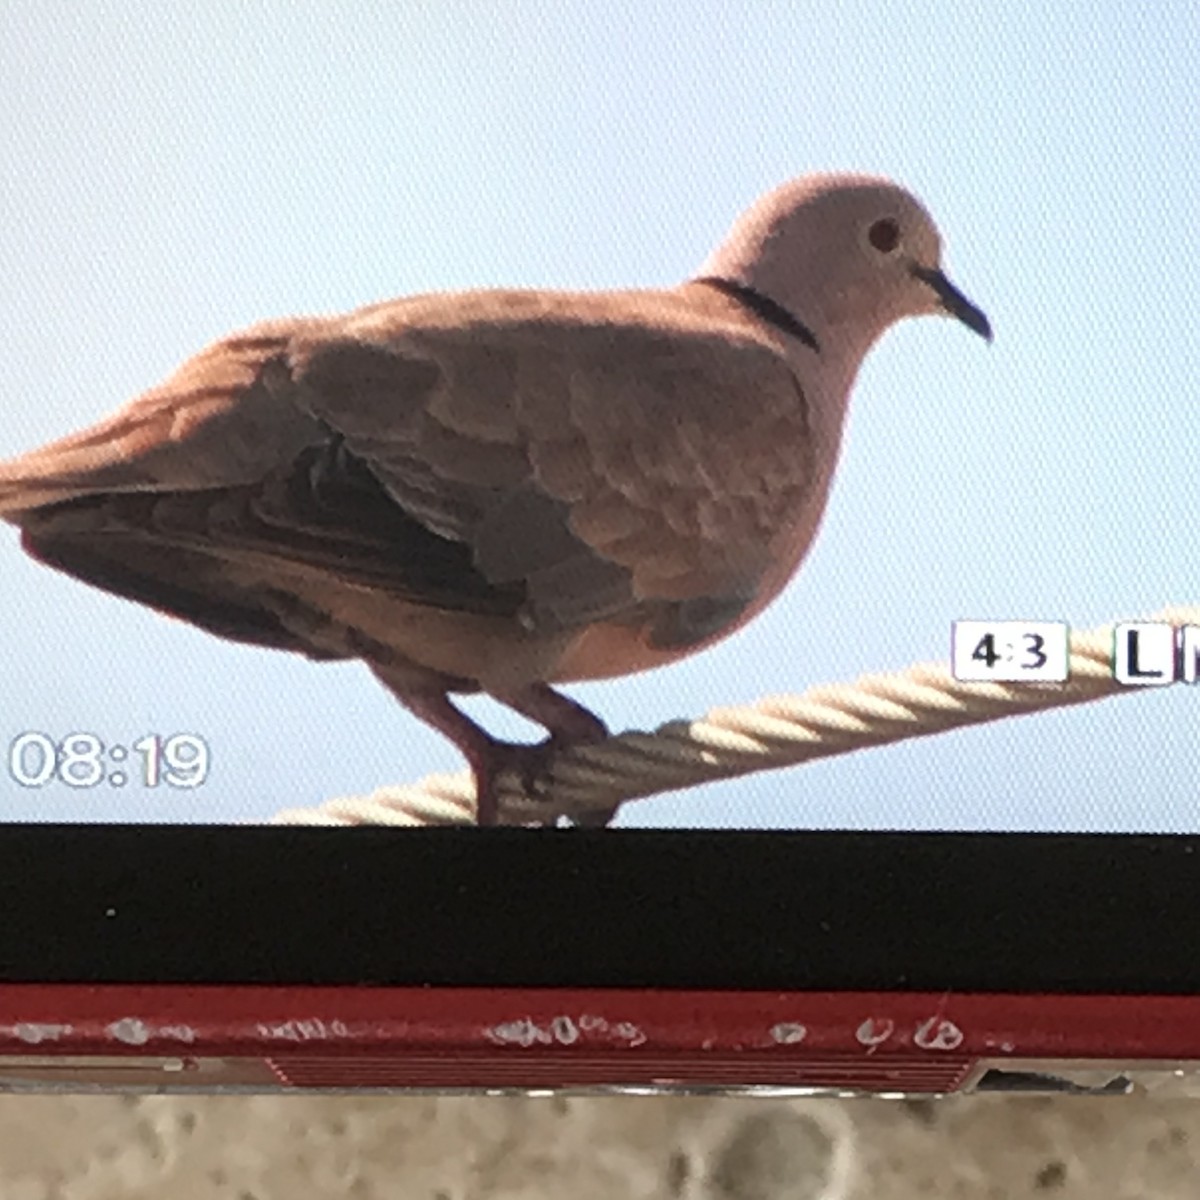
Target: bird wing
603, 450
554, 457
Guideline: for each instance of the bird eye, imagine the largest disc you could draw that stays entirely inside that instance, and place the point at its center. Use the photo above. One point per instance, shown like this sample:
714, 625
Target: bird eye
884, 235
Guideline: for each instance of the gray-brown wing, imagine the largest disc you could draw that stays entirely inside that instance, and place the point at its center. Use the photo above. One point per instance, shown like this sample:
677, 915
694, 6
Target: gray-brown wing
201, 496
609, 452
561, 458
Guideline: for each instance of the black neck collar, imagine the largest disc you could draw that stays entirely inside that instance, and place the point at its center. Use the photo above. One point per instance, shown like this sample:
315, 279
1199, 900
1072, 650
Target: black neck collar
764, 307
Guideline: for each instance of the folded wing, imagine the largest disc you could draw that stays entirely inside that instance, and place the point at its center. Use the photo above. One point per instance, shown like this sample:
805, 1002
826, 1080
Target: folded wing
547, 458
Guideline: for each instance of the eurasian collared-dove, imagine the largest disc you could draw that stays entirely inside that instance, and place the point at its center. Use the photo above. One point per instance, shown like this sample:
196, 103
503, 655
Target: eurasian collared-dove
500, 490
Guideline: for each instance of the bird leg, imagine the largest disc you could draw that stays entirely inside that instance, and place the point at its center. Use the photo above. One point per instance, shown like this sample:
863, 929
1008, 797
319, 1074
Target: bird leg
569, 724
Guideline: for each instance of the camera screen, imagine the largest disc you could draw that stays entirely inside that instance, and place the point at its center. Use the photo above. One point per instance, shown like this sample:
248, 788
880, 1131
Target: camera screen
593, 441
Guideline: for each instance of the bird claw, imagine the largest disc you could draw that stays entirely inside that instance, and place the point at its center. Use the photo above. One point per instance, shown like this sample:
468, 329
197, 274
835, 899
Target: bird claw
530, 763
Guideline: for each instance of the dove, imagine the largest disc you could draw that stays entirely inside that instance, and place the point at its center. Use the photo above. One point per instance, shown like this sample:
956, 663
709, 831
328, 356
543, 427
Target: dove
500, 491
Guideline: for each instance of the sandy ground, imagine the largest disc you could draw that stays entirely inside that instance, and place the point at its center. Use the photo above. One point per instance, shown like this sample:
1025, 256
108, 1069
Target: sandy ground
627, 1148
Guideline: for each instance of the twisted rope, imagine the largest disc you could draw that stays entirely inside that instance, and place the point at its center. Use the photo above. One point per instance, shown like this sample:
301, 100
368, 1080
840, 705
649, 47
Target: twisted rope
779, 731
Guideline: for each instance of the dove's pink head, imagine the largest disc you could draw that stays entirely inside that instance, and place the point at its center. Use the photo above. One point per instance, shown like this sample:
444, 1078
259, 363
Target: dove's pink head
847, 255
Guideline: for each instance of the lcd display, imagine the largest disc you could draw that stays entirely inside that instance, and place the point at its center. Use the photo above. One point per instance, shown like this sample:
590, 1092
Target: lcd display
176, 174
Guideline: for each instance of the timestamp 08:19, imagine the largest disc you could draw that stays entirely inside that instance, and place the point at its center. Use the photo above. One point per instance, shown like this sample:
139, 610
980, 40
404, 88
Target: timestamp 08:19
84, 760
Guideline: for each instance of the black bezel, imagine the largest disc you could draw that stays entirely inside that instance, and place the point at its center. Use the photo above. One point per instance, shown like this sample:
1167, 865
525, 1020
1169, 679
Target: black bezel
616, 908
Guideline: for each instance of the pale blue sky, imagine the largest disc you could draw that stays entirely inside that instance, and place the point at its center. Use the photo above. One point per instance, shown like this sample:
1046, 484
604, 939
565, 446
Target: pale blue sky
170, 173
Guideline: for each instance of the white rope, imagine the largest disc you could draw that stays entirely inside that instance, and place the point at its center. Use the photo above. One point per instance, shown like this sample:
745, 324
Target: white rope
778, 731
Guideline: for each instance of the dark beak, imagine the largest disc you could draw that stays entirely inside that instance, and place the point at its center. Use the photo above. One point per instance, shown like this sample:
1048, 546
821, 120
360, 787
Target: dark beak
954, 302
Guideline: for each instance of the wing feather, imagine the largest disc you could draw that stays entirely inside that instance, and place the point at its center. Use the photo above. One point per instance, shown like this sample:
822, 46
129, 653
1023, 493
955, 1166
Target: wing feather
549, 457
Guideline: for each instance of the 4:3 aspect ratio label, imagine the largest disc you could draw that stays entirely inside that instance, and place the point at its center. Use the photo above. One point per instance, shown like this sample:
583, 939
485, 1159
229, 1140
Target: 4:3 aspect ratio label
1010, 651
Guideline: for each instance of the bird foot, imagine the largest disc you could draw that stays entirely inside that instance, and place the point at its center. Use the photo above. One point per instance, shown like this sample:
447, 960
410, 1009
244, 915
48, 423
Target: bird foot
569, 723
530, 762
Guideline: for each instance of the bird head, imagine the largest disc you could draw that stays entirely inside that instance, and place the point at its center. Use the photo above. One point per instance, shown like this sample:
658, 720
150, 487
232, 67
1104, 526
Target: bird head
848, 255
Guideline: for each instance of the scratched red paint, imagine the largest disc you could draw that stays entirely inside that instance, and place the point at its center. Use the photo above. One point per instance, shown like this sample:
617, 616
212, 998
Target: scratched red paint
447, 1037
